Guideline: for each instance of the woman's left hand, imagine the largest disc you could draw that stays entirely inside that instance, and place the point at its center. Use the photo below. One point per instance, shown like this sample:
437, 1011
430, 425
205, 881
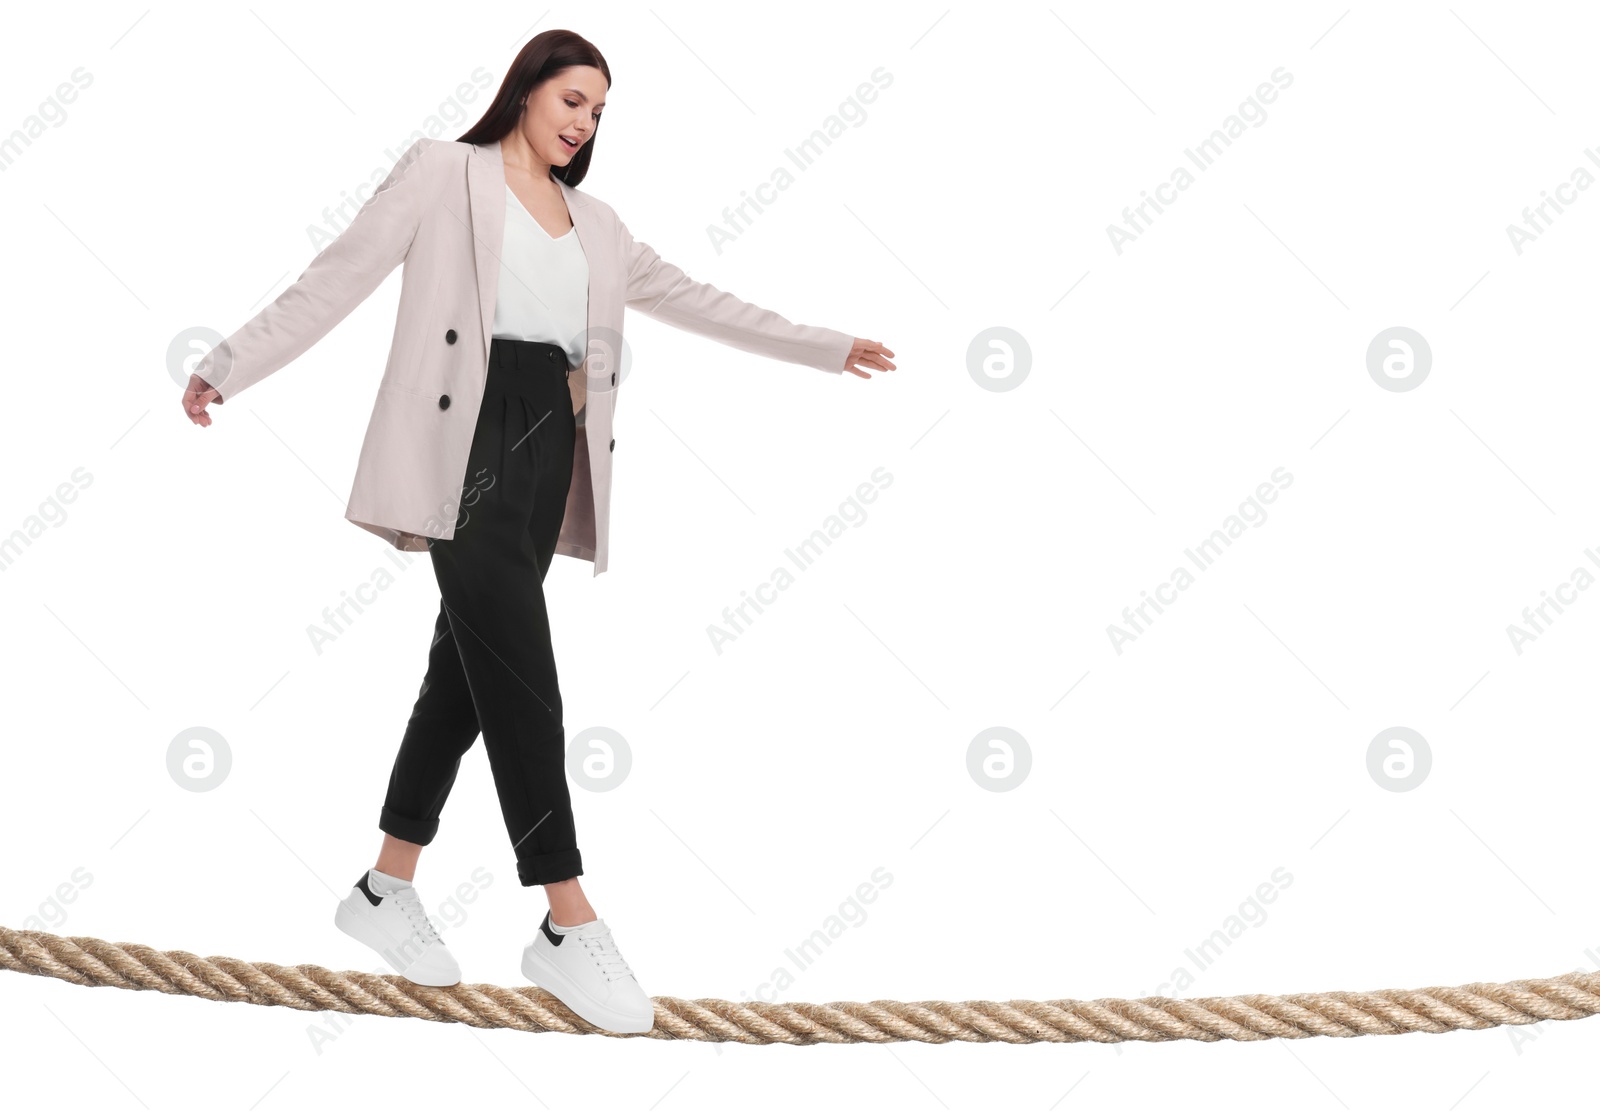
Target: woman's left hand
873, 355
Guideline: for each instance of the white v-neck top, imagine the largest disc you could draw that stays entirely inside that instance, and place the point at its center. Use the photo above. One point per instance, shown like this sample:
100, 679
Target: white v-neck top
544, 284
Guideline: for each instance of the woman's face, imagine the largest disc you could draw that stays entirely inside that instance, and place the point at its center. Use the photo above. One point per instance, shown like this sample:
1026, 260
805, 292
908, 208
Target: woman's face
566, 105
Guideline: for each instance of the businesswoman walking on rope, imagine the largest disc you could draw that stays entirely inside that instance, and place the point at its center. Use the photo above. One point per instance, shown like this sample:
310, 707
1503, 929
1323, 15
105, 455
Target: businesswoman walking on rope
490, 447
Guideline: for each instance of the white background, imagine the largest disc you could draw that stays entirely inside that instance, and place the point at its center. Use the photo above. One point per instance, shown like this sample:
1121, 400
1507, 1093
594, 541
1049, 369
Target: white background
1165, 384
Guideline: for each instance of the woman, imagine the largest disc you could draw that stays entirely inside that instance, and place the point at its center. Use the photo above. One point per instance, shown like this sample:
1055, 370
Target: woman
490, 446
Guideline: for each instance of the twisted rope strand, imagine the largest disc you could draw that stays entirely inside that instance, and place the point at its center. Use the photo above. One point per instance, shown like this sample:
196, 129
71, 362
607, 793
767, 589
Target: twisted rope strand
90, 961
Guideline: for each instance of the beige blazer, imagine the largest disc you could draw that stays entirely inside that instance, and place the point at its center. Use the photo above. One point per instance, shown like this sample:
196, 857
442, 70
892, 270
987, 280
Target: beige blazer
441, 212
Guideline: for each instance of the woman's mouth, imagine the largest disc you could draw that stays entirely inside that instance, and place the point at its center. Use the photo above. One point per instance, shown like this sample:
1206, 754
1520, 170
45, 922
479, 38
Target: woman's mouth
571, 145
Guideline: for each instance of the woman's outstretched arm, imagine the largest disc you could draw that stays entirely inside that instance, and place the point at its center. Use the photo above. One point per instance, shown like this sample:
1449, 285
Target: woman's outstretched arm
663, 291
346, 272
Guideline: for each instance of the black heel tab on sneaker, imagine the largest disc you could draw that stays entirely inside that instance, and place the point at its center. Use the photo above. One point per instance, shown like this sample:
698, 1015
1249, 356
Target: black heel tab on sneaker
366, 888
555, 938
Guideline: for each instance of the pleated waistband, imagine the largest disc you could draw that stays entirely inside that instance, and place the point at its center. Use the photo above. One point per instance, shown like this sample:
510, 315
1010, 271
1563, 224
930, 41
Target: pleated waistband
517, 354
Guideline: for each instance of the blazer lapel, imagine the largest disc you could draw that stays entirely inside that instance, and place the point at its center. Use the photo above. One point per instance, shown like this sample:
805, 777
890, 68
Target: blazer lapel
589, 240
486, 194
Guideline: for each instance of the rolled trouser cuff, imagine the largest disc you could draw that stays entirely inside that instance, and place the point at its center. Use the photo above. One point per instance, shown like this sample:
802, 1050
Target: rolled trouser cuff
407, 829
549, 867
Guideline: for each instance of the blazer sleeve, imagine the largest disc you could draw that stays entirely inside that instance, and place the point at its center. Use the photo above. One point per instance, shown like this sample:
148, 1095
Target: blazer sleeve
663, 291
343, 274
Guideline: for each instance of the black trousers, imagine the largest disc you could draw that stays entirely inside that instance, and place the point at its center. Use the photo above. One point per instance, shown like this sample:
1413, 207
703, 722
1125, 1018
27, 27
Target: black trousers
492, 666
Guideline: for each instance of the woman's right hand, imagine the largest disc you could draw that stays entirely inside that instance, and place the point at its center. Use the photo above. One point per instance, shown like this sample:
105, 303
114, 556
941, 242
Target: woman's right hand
196, 397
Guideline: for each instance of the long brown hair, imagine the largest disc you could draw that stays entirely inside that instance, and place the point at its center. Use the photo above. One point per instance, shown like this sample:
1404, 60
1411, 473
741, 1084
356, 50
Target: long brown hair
541, 58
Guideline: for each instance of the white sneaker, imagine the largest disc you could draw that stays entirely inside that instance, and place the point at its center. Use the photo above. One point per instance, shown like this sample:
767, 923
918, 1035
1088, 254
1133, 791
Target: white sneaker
397, 927
584, 970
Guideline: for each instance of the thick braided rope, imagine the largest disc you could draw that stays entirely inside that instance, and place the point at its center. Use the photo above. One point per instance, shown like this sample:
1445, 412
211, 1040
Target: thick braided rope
309, 987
